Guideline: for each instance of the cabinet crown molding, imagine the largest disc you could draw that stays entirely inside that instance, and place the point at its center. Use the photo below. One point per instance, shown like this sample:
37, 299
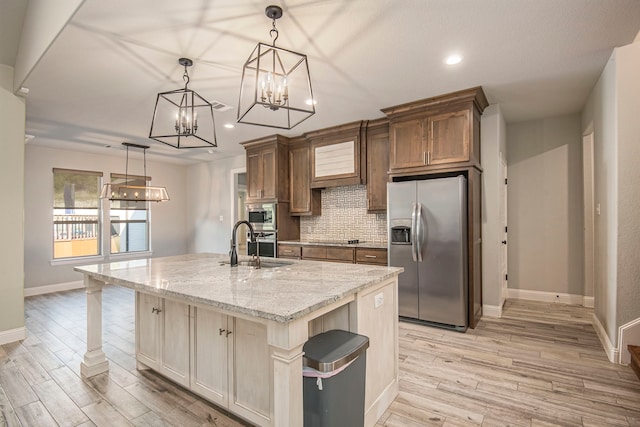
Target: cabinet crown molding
474, 94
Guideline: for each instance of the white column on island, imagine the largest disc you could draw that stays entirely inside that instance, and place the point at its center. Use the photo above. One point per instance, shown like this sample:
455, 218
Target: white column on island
95, 361
286, 341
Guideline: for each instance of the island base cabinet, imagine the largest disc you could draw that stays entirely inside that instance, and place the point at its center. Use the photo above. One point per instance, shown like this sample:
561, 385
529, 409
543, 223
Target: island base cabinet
230, 364
162, 336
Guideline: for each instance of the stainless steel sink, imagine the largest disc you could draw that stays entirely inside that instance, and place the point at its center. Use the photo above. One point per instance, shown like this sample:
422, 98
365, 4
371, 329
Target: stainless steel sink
263, 263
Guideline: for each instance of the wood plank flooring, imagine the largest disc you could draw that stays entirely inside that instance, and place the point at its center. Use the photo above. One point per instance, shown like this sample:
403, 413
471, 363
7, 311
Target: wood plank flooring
539, 365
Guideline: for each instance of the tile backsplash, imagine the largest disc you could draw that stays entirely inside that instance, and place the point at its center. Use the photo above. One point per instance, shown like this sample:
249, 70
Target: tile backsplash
344, 217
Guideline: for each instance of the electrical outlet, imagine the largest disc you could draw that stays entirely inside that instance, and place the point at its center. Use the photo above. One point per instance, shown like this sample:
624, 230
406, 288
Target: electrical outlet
221, 218
378, 300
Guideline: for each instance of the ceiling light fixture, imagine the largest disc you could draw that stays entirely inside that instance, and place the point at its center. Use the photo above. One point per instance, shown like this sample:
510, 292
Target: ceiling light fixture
275, 84
453, 59
182, 118
134, 193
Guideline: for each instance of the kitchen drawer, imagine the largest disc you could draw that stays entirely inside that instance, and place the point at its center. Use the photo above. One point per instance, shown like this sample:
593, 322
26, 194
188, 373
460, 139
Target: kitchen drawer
314, 252
289, 251
340, 254
371, 256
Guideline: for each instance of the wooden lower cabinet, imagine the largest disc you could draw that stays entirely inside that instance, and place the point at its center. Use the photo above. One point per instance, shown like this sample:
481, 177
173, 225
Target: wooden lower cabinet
289, 251
352, 255
372, 256
162, 336
222, 358
230, 363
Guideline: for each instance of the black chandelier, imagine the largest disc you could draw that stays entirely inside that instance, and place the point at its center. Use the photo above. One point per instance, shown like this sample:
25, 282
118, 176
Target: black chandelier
275, 90
182, 118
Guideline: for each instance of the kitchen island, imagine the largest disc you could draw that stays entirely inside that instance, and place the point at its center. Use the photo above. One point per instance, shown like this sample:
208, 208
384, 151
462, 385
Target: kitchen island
235, 335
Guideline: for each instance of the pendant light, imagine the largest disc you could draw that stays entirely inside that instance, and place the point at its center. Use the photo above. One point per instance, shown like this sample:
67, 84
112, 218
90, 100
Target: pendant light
134, 193
182, 118
275, 90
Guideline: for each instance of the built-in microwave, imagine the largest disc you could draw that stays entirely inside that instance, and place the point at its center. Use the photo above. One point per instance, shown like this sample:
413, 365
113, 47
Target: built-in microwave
262, 216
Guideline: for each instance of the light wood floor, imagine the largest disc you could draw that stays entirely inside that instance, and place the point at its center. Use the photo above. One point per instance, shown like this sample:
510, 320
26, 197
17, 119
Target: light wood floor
539, 365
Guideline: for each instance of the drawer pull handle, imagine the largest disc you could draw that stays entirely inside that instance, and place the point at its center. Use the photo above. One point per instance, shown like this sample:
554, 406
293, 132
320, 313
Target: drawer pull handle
222, 331
229, 333
370, 256
156, 310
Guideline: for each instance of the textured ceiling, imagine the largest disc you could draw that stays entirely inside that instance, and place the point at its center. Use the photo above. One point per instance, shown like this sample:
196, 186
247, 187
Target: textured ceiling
97, 84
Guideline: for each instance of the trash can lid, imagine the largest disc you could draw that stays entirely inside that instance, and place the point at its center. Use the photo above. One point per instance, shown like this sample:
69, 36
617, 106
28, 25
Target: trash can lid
333, 349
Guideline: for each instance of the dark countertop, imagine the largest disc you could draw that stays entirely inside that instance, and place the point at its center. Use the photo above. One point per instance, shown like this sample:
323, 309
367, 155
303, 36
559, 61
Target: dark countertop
343, 243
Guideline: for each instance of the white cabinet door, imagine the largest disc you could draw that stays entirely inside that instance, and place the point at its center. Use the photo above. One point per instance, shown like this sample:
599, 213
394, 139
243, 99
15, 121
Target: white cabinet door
162, 336
175, 341
230, 364
209, 363
249, 372
147, 330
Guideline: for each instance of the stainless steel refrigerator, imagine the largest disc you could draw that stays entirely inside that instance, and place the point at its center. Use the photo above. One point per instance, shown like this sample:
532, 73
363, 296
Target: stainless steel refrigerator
427, 222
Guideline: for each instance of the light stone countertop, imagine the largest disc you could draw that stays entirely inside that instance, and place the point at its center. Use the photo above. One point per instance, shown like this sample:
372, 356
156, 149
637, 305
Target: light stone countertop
282, 294
366, 245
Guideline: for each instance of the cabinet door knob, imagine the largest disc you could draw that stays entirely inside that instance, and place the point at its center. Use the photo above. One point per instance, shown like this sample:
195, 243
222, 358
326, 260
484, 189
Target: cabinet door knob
504, 242
156, 310
222, 331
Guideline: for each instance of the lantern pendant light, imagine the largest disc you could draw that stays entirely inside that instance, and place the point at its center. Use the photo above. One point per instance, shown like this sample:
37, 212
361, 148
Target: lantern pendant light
182, 118
275, 90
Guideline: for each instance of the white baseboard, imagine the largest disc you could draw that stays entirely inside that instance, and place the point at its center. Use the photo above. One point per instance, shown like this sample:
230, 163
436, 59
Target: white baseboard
629, 333
546, 296
13, 335
491, 310
59, 287
610, 350
588, 302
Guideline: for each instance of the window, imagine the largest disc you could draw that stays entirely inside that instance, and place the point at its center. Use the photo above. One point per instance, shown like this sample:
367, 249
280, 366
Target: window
129, 220
76, 213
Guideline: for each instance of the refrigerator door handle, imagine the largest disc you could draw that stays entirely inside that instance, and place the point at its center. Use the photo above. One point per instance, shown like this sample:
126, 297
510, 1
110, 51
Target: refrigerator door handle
419, 231
414, 235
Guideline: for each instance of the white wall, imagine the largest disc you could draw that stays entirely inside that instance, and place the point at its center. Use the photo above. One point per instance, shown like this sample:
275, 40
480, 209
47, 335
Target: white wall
545, 251
493, 146
168, 219
209, 199
12, 122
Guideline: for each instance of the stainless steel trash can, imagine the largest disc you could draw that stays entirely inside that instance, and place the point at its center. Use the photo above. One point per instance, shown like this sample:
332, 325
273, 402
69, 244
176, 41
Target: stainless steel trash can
334, 379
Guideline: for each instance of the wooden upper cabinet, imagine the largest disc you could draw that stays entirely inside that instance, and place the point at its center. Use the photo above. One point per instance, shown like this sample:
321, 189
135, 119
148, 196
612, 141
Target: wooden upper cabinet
304, 200
408, 144
335, 155
448, 138
268, 169
436, 133
377, 165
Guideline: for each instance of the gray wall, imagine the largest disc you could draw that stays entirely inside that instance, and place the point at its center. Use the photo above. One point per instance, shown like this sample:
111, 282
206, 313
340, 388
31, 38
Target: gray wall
168, 219
545, 251
12, 120
612, 113
494, 146
209, 216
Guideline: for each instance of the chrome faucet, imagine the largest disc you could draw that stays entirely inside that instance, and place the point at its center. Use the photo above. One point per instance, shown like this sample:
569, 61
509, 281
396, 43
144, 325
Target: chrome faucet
233, 253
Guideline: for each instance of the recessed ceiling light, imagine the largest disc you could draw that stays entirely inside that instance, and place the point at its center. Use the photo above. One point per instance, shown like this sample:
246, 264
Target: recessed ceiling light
453, 59
311, 102
229, 125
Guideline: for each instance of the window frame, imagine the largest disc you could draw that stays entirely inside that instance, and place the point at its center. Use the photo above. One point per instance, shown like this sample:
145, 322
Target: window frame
55, 222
